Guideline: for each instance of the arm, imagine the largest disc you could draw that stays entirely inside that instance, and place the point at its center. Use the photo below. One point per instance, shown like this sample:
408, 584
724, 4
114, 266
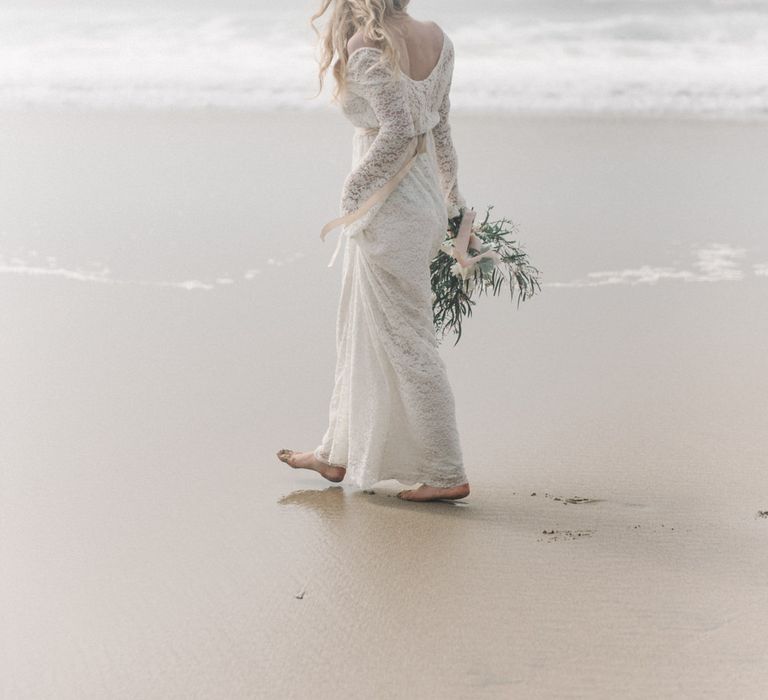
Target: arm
392, 145
447, 161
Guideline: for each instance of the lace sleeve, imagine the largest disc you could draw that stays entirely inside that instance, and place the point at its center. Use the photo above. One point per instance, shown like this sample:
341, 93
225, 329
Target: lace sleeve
447, 160
388, 152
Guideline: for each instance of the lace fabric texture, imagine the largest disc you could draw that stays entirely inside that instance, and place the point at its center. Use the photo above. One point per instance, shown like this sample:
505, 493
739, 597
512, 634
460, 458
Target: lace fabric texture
401, 109
392, 411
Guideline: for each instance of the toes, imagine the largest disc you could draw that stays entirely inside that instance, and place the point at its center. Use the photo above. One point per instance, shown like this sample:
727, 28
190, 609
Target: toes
285, 456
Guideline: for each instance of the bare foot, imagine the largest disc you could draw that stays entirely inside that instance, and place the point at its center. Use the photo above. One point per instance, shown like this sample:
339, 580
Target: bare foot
433, 493
307, 460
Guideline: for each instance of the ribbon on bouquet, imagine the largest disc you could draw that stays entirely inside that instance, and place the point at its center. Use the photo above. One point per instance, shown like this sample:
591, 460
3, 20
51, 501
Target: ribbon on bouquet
380, 195
460, 248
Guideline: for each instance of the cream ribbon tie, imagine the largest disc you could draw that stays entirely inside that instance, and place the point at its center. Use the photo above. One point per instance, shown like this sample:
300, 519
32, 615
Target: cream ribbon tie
462, 241
420, 142
465, 236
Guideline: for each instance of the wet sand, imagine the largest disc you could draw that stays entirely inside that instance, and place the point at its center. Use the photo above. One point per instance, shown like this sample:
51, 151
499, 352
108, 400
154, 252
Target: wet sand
168, 326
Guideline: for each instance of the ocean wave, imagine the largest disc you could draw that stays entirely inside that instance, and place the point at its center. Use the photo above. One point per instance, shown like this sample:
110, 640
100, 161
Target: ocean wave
713, 262
716, 262
700, 63
31, 264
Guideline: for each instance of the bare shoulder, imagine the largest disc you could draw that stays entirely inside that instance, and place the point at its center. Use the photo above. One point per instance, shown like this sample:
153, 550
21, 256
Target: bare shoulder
435, 29
358, 41
433, 33
427, 31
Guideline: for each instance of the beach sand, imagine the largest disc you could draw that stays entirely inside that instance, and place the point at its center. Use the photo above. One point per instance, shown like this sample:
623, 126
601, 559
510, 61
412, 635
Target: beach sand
168, 325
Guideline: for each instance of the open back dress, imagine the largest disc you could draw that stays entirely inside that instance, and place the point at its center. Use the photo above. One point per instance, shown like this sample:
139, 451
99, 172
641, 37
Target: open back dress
392, 412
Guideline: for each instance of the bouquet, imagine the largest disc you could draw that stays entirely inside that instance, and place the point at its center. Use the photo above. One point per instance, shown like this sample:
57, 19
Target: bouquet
477, 258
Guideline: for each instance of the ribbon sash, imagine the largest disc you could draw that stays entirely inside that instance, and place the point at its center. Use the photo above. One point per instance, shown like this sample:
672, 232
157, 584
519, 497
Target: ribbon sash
463, 239
379, 196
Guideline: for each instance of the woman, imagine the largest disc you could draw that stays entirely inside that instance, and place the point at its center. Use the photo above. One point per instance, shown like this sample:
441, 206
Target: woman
392, 413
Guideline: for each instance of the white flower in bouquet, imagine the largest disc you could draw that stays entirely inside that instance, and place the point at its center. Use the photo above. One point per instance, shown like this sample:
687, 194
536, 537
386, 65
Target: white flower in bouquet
462, 272
447, 247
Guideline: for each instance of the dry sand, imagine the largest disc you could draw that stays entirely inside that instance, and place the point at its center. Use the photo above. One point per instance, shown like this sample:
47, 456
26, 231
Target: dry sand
154, 547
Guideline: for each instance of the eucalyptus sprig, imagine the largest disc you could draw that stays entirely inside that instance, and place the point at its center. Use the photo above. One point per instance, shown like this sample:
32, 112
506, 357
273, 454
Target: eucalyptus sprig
454, 285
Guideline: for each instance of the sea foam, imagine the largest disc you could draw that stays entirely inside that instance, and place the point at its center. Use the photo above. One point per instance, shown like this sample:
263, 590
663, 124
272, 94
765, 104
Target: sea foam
641, 61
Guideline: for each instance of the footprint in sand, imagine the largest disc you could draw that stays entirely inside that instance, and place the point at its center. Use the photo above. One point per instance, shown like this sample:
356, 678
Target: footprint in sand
572, 499
555, 535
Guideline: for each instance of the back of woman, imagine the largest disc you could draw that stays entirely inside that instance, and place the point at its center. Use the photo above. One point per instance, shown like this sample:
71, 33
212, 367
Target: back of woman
392, 412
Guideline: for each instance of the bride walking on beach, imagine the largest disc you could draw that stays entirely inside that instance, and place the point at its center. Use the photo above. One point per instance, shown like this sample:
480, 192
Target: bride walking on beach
392, 412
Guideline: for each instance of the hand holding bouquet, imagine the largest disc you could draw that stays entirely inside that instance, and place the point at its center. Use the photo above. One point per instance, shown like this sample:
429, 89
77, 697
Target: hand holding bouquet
477, 257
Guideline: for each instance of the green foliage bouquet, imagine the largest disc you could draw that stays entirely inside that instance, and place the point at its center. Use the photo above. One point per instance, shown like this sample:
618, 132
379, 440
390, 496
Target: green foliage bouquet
477, 258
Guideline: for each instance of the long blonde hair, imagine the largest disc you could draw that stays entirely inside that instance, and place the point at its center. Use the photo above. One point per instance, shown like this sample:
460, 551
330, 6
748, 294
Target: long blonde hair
347, 17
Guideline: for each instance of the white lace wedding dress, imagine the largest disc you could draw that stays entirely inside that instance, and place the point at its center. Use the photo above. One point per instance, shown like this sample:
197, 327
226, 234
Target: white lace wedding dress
392, 413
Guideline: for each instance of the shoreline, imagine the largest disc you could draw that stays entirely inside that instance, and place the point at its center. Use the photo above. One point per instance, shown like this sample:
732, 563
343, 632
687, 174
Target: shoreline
611, 117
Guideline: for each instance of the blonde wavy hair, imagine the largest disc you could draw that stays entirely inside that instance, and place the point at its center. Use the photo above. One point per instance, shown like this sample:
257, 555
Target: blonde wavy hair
347, 17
